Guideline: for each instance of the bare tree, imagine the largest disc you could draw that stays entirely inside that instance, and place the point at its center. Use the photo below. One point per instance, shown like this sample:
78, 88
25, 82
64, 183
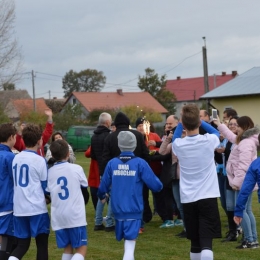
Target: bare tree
10, 52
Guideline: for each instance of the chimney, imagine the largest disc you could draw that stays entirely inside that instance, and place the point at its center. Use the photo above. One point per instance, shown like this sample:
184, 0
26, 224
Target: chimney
178, 78
223, 73
234, 73
119, 91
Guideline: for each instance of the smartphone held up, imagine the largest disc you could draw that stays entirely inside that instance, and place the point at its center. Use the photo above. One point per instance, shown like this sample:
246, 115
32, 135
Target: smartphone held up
214, 114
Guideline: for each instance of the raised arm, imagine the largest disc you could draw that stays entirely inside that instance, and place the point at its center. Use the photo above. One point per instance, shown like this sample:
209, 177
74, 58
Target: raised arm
227, 133
164, 148
48, 127
178, 131
209, 129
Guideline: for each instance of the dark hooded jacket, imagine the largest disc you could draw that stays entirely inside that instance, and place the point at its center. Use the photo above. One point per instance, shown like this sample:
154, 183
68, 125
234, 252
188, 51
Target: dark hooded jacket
97, 144
111, 148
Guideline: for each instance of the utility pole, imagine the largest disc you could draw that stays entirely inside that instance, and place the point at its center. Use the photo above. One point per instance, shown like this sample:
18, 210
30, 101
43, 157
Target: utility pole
205, 69
49, 94
34, 104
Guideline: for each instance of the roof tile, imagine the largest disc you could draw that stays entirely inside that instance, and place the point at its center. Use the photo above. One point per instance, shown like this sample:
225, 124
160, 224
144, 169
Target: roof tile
193, 88
26, 105
93, 100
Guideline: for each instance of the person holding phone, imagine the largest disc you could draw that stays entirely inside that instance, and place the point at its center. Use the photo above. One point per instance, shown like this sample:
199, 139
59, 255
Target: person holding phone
243, 153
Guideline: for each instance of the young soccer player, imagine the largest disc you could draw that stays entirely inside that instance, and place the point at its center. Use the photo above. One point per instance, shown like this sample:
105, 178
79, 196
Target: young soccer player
68, 215
31, 217
127, 173
198, 181
7, 141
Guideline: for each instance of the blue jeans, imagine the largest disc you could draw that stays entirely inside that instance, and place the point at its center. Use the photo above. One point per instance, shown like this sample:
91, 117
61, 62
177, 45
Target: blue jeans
230, 200
222, 189
248, 223
99, 214
177, 197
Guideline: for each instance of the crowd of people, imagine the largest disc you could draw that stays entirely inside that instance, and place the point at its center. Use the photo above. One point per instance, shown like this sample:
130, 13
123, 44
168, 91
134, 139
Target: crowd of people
125, 165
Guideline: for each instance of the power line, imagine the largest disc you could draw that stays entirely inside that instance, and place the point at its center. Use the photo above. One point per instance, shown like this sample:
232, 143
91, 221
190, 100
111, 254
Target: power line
165, 67
123, 84
42, 93
53, 75
47, 79
183, 61
112, 84
7, 76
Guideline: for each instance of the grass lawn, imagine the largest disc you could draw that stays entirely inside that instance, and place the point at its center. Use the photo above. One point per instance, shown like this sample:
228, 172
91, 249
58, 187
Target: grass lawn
153, 244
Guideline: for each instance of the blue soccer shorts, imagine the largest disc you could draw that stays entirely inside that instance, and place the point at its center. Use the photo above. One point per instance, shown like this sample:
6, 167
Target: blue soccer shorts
127, 229
76, 237
7, 225
31, 226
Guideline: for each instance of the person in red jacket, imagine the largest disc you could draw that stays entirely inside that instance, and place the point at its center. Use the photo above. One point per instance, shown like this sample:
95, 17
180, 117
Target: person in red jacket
93, 178
20, 146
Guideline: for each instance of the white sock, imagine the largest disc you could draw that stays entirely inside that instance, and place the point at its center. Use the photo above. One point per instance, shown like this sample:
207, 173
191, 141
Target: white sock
206, 254
12, 258
129, 250
66, 256
195, 256
77, 256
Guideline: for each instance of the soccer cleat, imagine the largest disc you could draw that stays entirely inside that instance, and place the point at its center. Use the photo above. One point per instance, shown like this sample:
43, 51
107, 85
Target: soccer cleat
167, 224
246, 244
110, 229
178, 222
99, 227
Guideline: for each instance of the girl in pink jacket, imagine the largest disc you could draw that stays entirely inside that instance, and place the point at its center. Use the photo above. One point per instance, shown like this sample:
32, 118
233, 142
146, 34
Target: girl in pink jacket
244, 151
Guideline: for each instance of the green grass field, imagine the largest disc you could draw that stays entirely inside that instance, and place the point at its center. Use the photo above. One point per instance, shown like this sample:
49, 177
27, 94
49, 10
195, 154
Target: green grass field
153, 244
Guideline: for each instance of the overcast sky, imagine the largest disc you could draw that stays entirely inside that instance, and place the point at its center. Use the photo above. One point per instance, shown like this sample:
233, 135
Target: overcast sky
123, 38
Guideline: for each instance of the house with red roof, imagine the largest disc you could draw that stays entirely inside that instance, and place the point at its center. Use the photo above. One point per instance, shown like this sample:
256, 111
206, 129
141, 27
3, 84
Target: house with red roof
6, 95
115, 100
16, 107
190, 90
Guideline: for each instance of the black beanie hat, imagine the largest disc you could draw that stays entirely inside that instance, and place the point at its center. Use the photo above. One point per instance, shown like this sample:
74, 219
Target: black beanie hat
121, 119
140, 120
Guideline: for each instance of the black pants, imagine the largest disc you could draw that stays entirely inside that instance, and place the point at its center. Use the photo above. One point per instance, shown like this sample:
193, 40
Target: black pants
147, 214
7, 245
94, 197
164, 202
23, 245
